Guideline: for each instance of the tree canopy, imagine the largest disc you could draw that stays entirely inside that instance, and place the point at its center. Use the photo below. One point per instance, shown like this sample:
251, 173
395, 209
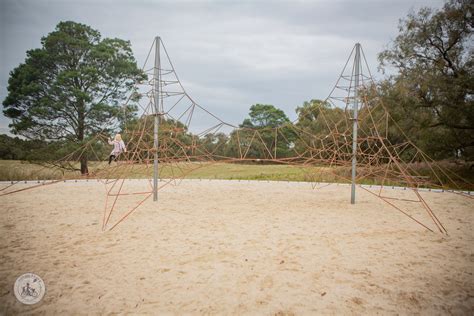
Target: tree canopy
265, 134
72, 87
432, 92
265, 115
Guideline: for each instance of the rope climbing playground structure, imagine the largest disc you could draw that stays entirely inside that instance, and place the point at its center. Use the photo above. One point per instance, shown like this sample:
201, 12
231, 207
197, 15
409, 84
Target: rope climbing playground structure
346, 138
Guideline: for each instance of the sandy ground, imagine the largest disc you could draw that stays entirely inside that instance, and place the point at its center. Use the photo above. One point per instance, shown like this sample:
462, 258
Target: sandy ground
222, 247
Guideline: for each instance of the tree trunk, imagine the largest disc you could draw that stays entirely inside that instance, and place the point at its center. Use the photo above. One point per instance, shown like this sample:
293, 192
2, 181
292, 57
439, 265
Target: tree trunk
84, 169
81, 129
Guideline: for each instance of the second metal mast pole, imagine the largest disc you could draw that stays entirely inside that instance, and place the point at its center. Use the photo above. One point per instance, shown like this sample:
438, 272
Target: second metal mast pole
355, 122
156, 77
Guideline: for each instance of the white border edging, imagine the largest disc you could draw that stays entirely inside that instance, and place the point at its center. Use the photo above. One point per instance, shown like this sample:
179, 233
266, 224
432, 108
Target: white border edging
238, 180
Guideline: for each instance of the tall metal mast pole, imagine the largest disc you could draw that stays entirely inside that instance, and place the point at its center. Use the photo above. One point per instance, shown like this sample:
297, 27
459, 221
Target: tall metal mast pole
355, 122
156, 77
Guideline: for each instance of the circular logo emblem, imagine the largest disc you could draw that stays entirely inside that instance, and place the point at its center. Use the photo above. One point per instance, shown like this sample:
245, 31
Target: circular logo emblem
29, 288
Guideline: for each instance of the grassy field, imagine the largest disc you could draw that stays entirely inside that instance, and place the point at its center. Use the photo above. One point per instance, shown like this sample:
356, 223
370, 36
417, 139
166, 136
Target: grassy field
13, 170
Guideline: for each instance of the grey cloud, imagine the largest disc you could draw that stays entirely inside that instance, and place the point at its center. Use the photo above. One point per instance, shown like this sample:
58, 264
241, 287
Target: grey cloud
229, 54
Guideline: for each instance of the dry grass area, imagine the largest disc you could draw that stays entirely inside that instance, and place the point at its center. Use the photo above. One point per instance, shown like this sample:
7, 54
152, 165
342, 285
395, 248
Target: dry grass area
13, 170
228, 247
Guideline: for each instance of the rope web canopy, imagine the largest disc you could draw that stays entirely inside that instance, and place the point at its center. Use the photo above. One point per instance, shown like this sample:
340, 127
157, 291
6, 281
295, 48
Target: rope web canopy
319, 142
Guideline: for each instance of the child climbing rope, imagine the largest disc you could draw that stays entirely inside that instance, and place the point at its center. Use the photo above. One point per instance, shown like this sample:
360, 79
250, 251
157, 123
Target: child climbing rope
119, 147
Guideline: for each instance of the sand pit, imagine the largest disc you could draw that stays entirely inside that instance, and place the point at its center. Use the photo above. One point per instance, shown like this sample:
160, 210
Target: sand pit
223, 247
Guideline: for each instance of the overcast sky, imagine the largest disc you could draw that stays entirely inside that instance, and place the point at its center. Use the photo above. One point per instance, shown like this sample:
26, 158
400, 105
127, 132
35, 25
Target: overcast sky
228, 54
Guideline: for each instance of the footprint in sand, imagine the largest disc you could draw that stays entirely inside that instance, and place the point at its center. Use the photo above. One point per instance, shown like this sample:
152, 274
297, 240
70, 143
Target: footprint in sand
357, 301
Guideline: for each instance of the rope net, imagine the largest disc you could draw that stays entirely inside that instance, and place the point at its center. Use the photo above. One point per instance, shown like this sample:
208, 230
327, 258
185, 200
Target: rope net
319, 143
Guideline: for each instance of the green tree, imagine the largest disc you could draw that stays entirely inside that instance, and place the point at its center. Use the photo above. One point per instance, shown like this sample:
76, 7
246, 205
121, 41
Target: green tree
175, 141
13, 147
266, 134
71, 87
433, 54
265, 115
415, 122
214, 144
317, 119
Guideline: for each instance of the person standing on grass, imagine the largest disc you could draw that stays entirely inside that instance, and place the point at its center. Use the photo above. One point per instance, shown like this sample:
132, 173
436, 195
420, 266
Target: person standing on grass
119, 147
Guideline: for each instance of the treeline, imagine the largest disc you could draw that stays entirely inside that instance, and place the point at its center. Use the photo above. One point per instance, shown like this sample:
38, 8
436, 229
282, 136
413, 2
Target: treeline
266, 134
15, 148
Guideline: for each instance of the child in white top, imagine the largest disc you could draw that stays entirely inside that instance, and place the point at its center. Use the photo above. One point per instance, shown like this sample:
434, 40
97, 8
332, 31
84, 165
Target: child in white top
119, 147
